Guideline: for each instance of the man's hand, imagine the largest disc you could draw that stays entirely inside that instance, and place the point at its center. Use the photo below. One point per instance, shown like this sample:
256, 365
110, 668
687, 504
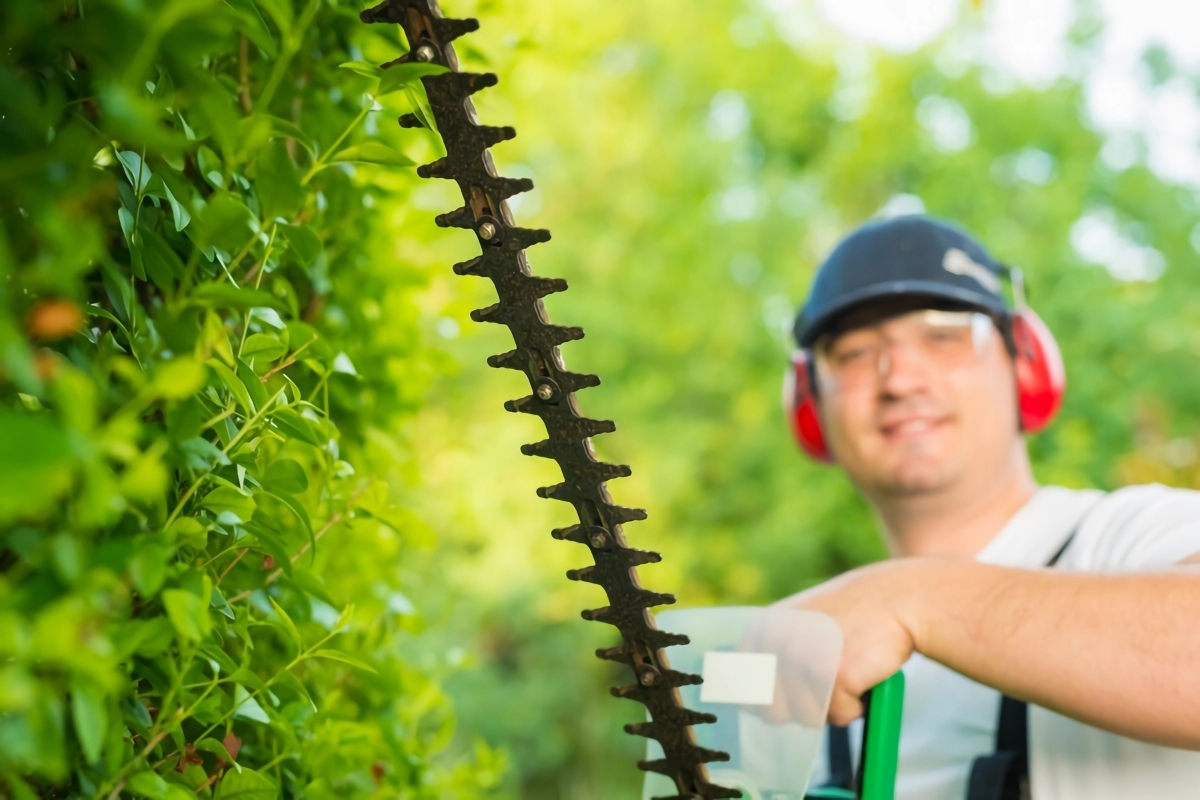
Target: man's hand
1115, 651
870, 605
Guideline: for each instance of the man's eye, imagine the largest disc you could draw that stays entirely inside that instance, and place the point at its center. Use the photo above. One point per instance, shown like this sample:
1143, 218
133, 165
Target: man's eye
948, 335
851, 355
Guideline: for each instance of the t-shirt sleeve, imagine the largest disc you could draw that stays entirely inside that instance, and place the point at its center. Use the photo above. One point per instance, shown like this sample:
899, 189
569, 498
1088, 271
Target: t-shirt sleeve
1143, 527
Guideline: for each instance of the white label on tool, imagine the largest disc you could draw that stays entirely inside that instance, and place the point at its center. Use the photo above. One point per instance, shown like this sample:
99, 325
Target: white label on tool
742, 678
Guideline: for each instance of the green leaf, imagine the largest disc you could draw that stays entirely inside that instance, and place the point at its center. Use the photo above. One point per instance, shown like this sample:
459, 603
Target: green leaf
200, 453
398, 76
211, 745
362, 68
222, 294
285, 475
294, 505
160, 261
337, 655
178, 378
234, 384
219, 602
225, 223
35, 465
246, 785
188, 613
254, 26
179, 214
263, 348
246, 707
286, 625
188, 532
149, 784
136, 171
292, 424
271, 543
289, 130
90, 716
148, 569
418, 101
372, 153
210, 167
254, 386
277, 183
304, 241
226, 498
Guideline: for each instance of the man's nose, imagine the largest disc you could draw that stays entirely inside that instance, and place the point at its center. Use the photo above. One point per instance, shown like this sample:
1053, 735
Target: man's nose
902, 370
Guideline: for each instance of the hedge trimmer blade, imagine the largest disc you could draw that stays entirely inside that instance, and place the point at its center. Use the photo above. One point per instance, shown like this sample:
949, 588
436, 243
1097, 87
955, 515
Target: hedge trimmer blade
552, 397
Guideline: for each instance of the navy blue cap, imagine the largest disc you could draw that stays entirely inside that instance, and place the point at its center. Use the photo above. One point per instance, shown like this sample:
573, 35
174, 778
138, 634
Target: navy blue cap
902, 256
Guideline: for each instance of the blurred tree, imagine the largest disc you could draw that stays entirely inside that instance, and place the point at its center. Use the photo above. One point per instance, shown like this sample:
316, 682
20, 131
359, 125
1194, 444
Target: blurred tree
695, 162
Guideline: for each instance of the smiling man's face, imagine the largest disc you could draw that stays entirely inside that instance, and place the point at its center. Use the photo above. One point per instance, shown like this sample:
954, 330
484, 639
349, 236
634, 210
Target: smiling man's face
918, 401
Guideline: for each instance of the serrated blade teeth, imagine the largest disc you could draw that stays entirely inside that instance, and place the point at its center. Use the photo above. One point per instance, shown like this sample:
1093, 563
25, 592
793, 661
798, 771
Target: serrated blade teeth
524, 238
547, 286
621, 514
584, 574
513, 359
493, 313
435, 169
597, 614
493, 135
542, 449
458, 218
464, 84
639, 557
472, 266
507, 187
447, 30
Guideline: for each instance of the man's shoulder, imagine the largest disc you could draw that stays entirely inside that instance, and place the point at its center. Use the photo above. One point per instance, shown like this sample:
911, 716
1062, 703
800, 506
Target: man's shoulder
1145, 525
1151, 499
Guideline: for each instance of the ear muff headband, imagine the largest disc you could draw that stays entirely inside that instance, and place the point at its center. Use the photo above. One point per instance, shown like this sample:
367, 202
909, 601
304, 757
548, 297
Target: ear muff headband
1041, 383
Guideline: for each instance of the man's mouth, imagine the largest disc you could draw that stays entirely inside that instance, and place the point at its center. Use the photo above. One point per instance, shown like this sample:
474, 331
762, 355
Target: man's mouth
911, 427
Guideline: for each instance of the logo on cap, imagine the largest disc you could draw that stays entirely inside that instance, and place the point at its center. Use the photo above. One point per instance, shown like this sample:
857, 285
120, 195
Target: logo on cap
960, 263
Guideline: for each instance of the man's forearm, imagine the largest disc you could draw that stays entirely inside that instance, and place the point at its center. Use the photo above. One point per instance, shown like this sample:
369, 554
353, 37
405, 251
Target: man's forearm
1120, 652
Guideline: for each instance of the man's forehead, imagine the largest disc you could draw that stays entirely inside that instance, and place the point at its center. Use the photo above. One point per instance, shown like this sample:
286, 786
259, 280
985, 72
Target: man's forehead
877, 311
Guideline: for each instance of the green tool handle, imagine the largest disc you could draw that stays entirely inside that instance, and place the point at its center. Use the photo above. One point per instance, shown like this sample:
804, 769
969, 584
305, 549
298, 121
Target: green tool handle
881, 741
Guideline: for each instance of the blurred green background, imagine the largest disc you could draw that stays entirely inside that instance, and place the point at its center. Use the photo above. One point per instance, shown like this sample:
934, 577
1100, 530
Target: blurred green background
694, 161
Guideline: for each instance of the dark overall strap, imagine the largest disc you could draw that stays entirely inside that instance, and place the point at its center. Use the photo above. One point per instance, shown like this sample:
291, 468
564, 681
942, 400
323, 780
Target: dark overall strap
1004, 774
841, 766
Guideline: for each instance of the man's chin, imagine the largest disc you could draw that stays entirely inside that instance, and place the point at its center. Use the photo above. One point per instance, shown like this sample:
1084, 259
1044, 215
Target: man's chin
914, 475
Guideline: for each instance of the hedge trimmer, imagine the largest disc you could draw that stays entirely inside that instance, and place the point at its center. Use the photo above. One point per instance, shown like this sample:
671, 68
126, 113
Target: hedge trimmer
552, 391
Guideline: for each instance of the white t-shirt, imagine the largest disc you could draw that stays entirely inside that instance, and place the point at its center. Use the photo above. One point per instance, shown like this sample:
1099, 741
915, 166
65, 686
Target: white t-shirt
949, 720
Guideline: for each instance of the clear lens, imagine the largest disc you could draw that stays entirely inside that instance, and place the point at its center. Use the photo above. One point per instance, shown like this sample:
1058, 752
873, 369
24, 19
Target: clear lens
941, 339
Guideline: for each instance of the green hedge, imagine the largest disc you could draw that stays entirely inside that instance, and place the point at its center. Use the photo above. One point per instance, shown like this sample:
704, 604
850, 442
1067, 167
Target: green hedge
204, 340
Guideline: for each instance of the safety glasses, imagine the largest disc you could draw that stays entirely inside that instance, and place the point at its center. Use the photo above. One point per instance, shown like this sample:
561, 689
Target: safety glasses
942, 340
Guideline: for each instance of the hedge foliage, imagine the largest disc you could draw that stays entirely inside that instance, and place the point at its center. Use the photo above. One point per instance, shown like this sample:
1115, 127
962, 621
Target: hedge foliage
204, 341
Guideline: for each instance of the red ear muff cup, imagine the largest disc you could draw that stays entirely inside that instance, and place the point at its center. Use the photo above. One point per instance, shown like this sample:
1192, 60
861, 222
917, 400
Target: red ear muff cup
801, 408
1041, 377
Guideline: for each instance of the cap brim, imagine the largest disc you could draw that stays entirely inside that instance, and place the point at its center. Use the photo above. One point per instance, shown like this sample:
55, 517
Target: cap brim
808, 331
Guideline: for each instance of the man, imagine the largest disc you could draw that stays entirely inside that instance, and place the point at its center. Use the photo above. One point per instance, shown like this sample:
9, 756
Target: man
911, 356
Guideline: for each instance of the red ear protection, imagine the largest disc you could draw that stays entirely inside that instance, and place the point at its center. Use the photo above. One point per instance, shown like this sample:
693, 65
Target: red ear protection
1041, 382
1041, 377
800, 403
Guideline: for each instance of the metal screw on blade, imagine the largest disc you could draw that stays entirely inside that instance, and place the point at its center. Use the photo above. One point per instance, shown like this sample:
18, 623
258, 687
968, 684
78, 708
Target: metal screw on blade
425, 53
649, 676
545, 391
486, 231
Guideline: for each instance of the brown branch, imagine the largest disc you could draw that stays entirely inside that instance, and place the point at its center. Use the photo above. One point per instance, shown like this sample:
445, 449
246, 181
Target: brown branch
232, 564
244, 74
